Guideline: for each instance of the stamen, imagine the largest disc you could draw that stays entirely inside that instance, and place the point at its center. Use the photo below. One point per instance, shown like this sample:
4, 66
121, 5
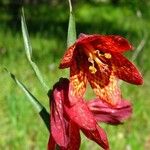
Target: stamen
107, 55
98, 61
95, 57
92, 69
98, 53
90, 60
101, 65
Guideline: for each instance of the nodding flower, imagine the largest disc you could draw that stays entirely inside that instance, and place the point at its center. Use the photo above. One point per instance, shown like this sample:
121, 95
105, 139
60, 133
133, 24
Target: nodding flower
99, 60
66, 121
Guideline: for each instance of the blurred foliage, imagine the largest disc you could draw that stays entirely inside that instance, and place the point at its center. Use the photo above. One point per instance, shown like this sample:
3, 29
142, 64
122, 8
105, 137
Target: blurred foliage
47, 21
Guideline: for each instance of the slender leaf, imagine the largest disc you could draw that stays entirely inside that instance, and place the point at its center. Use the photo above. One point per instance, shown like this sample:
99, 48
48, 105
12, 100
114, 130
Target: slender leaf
33, 100
71, 37
28, 50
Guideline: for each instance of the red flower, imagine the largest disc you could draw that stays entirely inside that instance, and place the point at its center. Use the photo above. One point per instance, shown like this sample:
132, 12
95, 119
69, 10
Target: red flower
98, 59
67, 120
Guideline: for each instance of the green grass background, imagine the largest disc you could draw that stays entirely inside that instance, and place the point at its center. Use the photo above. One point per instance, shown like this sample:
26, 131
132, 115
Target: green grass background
20, 125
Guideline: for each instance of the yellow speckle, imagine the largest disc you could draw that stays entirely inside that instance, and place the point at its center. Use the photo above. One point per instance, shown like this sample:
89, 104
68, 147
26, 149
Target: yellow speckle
107, 55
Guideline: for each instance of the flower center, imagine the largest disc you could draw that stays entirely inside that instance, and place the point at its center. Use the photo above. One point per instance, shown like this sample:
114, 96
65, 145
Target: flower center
94, 56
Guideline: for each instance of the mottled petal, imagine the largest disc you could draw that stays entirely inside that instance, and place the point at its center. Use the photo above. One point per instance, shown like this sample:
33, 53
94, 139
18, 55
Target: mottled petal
104, 83
109, 92
103, 112
114, 43
78, 82
68, 57
51, 143
81, 115
98, 135
125, 70
59, 124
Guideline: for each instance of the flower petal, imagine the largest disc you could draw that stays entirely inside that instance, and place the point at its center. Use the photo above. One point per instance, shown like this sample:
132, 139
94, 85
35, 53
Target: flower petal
103, 112
78, 82
114, 43
59, 124
108, 43
125, 70
68, 57
98, 135
81, 115
63, 131
109, 92
74, 137
104, 83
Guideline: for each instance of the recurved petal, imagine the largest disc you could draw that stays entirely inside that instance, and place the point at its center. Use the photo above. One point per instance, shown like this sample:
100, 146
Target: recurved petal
103, 112
81, 115
99, 136
68, 57
125, 70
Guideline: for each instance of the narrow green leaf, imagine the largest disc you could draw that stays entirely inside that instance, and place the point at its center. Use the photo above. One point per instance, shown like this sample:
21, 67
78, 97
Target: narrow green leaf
33, 100
28, 50
71, 37
27, 43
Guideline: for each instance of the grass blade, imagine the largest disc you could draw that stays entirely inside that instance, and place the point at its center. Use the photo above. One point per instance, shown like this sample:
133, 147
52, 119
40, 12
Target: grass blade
28, 50
71, 37
33, 100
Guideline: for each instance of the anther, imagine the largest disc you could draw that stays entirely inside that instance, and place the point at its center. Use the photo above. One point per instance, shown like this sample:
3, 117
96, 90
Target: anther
92, 69
107, 55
